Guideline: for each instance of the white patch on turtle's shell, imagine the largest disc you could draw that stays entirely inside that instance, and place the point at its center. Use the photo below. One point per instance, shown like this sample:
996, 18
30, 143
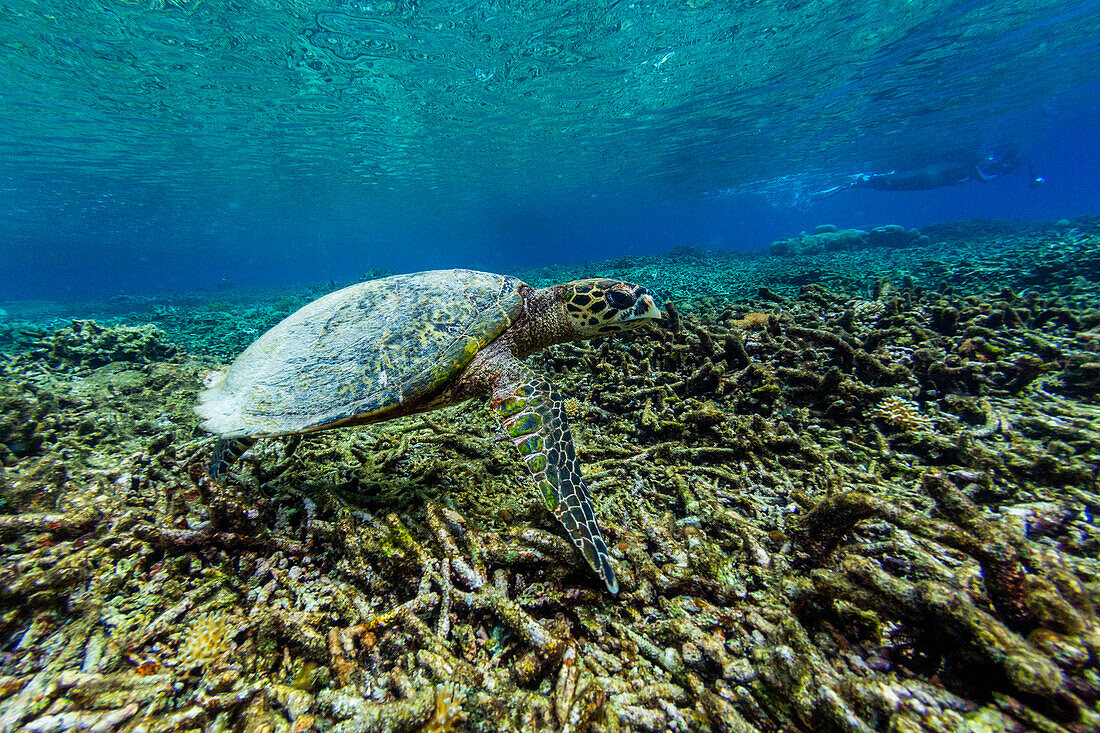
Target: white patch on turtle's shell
357, 351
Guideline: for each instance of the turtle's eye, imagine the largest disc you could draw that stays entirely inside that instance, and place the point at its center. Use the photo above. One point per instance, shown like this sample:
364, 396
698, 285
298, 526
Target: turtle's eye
619, 299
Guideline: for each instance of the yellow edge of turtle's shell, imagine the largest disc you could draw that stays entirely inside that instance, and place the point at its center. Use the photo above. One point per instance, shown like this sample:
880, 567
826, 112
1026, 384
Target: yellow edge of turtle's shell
441, 375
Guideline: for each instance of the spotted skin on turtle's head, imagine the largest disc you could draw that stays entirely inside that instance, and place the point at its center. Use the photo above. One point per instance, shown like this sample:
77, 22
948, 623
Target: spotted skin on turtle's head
599, 306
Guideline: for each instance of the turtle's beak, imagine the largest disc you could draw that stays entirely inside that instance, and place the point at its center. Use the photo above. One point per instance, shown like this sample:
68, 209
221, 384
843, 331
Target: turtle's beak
644, 311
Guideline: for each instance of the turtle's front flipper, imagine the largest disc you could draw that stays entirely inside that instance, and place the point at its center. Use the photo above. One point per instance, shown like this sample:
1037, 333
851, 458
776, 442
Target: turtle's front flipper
534, 416
226, 452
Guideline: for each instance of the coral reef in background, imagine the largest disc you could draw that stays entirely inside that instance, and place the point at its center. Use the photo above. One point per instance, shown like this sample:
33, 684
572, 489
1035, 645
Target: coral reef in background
1060, 258
827, 238
864, 505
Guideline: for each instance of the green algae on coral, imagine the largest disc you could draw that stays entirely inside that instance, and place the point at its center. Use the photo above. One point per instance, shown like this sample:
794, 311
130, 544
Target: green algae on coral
787, 561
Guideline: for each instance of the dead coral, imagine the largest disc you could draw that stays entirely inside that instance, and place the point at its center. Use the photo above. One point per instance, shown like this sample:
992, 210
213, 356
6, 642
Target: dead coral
88, 343
784, 563
1021, 588
26, 413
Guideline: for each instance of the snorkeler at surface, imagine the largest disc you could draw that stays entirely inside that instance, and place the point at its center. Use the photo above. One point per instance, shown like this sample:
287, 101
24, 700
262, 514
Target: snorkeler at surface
936, 175
940, 174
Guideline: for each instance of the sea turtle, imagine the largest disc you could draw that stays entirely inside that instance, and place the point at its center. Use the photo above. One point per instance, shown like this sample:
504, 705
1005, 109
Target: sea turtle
412, 343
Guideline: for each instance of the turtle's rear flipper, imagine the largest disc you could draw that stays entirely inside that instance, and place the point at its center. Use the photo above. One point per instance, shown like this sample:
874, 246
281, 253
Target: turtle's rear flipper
534, 416
226, 453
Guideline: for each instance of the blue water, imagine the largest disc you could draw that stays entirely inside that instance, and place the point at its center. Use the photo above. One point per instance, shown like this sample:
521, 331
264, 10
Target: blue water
168, 145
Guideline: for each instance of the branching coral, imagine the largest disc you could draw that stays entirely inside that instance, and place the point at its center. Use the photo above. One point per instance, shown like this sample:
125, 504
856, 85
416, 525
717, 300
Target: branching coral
901, 413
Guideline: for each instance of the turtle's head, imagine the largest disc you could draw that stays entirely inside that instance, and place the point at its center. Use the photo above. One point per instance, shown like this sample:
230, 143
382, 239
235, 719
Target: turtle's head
597, 306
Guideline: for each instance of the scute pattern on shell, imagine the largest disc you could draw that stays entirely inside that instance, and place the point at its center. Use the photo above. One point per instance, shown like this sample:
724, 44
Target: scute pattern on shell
361, 353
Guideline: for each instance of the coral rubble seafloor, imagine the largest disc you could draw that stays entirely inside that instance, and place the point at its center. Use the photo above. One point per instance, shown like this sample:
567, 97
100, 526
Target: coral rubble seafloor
847, 491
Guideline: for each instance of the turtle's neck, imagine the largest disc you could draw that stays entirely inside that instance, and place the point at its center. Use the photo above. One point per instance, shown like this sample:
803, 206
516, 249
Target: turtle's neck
543, 322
